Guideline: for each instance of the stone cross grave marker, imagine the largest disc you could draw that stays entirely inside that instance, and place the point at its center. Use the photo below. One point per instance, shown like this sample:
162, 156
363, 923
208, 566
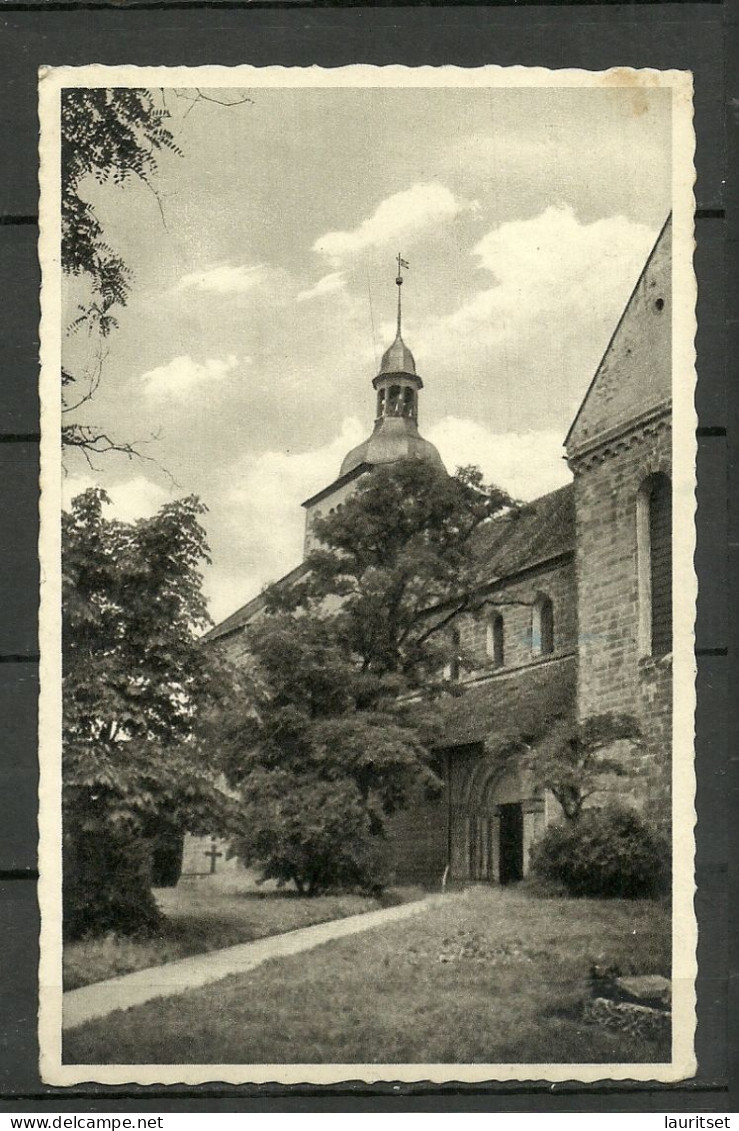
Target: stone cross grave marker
213, 853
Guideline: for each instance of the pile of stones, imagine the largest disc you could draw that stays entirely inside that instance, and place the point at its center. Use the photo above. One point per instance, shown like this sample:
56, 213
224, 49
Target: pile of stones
640, 1004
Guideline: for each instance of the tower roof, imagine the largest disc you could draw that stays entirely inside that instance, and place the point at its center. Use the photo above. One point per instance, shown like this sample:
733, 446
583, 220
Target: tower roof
391, 441
398, 358
395, 436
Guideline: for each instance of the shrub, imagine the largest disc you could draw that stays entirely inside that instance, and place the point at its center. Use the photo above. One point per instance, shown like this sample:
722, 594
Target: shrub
608, 852
315, 834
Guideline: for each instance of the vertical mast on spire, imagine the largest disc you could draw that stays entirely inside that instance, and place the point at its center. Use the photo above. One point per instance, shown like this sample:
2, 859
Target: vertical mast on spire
399, 281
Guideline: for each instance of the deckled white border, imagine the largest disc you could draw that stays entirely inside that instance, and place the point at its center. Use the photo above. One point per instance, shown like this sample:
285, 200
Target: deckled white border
52, 81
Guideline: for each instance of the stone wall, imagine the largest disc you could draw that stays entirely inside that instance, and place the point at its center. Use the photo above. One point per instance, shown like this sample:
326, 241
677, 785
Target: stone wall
324, 506
514, 600
615, 671
635, 373
417, 843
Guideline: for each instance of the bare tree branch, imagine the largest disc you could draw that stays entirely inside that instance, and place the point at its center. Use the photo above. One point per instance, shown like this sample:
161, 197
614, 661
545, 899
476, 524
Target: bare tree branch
92, 440
201, 96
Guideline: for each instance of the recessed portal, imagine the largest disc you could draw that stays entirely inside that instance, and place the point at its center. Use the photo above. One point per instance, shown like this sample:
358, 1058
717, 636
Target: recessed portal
511, 843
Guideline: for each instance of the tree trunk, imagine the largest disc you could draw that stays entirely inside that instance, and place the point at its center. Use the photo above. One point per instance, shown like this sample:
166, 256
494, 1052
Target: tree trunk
167, 851
107, 883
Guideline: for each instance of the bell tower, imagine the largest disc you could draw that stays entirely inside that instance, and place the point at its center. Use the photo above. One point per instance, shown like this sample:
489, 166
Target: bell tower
397, 382
395, 435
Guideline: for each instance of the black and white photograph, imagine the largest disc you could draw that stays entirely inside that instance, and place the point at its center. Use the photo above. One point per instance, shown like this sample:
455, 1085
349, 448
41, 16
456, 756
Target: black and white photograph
368, 599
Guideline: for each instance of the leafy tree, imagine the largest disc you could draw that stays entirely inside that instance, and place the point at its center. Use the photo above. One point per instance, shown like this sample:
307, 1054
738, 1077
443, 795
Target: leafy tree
400, 555
574, 760
309, 830
322, 757
135, 684
110, 135
335, 742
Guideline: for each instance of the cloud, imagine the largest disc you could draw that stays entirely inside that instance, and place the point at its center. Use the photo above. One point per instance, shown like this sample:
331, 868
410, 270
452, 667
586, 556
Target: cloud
264, 518
399, 216
529, 340
262, 523
550, 263
335, 281
556, 247
183, 373
526, 464
224, 278
129, 500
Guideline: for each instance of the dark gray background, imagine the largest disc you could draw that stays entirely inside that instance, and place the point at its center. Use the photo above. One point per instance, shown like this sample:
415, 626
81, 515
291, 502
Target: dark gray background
685, 36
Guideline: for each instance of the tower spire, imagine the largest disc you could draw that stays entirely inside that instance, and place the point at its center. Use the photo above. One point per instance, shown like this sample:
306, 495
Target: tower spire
395, 435
402, 263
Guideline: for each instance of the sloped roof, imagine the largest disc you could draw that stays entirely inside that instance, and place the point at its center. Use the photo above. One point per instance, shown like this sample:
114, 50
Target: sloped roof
243, 615
520, 702
540, 530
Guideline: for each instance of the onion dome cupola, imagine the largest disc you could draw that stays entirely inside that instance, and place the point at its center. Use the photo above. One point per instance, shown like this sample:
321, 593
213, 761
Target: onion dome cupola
397, 384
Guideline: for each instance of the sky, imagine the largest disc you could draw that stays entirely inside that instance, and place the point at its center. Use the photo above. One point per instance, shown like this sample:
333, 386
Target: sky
263, 293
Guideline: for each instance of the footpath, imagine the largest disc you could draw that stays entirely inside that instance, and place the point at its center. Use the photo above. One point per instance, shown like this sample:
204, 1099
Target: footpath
102, 998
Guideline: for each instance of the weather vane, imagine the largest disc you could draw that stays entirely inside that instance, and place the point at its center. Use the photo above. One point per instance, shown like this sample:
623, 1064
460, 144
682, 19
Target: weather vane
401, 264
399, 280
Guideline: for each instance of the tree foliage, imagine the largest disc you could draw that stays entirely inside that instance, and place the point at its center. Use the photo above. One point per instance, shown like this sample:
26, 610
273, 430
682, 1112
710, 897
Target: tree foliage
399, 555
338, 739
109, 135
321, 758
135, 684
608, 853
574, 760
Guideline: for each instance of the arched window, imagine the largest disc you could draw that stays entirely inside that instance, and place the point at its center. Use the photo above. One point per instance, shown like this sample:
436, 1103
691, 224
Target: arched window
654, 549
380, 402
451, 671
394, 402
408, 406
496, 640
542, 626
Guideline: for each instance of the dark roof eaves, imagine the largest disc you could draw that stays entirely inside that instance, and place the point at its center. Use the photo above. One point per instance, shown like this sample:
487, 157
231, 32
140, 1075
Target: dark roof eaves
340, 482
537, 526
532, 567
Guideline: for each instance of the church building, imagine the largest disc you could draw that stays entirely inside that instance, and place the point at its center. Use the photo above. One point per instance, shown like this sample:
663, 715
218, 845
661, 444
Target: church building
575, 601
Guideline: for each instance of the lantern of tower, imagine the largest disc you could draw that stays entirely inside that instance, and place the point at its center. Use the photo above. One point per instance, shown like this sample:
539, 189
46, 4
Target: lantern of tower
395, 436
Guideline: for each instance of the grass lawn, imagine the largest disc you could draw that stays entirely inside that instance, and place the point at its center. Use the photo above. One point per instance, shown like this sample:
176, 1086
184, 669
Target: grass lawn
208, 914
487, 976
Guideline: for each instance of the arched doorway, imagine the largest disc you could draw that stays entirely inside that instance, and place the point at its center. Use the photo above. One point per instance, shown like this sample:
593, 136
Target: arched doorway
496, 818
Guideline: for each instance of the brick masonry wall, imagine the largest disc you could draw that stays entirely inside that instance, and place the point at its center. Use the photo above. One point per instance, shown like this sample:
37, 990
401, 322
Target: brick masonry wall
513, 599
325, 507
613, 676
235, 647
417, 843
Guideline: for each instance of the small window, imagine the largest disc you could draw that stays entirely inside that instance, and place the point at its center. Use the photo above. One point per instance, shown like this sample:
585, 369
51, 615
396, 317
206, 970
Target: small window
542, 627
654, 541
496, 640
394, 403
452, 669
